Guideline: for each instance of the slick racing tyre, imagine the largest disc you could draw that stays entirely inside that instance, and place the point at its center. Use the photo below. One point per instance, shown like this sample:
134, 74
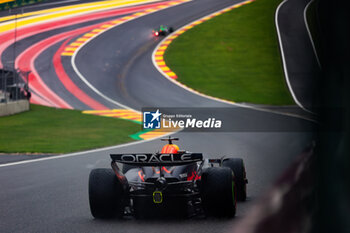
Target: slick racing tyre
106, 194
218, 192
171, 30
238, 168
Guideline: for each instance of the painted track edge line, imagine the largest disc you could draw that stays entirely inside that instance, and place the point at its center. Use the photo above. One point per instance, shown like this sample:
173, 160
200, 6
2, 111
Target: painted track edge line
87, 82
212, 97
284, 59
309, 32
84, 152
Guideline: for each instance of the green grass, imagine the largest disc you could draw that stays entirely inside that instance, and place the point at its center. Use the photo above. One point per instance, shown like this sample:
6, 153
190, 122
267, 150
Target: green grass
50, 130
234, 56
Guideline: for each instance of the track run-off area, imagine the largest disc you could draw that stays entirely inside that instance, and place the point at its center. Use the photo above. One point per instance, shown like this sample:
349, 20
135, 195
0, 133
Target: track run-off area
31, 25
71, 27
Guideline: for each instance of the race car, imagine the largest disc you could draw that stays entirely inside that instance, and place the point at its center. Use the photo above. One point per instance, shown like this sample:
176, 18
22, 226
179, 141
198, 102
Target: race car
162, 31
170, 183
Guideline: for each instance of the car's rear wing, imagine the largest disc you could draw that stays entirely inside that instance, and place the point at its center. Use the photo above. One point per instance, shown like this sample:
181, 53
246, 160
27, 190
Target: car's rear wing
157, 159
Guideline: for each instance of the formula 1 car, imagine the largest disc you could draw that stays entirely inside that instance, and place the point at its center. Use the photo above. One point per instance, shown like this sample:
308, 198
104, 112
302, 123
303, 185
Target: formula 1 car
170, 183
162, 31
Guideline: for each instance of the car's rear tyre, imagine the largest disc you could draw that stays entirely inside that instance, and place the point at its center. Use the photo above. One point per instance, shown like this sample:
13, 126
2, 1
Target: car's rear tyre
218, 192
238, 168
106, 194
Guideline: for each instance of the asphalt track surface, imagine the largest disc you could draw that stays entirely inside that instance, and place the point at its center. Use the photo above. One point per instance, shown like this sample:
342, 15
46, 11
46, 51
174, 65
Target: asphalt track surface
301, 61
51, 195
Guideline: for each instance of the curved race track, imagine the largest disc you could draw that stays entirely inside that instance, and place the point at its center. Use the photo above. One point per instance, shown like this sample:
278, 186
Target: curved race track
51, 195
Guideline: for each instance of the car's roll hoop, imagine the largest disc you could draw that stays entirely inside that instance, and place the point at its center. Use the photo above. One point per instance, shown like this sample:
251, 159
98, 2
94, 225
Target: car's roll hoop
169, 139
157, 159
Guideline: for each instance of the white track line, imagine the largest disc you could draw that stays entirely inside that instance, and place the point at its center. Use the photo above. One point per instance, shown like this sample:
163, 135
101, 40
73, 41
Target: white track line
308, 31
215, 98
83, 152
284, 59
92, 87
94, 37
105, 97
137, 142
